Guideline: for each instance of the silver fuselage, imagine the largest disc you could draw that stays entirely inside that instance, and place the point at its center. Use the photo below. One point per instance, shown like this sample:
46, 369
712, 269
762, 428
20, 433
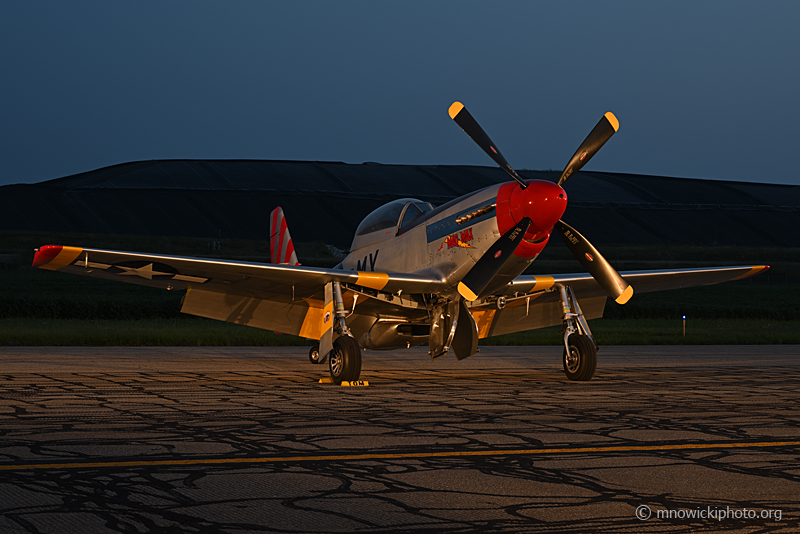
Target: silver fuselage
438, 245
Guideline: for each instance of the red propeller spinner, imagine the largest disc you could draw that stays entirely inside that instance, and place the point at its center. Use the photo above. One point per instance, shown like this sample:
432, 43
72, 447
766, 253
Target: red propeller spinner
541, 201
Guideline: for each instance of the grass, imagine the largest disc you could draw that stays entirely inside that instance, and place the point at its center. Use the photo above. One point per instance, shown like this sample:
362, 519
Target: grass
182, 331
668, 332
50, 308
195, 331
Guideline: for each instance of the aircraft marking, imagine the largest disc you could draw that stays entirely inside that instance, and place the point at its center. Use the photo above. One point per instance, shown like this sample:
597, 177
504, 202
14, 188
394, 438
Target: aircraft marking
459, 240
145, 271
372, 260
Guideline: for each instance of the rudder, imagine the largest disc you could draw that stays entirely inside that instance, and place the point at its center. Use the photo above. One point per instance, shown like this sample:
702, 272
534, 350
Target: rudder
280, 242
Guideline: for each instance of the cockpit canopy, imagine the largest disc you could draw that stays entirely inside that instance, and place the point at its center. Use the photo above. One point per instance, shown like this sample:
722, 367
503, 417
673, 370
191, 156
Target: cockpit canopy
390, 220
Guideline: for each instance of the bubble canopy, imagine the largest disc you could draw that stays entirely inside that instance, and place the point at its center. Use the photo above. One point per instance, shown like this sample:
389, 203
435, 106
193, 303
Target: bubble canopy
389, 220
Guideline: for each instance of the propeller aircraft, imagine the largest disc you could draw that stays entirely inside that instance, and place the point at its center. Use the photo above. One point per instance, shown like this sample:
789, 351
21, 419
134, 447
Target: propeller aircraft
416, 274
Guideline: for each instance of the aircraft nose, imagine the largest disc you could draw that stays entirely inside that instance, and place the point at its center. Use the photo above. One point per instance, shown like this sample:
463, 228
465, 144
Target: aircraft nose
542, 202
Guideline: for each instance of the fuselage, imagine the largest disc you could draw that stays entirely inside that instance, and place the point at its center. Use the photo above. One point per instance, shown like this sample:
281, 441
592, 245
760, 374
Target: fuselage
408, 236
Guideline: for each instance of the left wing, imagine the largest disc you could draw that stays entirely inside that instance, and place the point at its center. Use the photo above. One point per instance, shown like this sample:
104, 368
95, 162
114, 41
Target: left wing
532, 302
642, 281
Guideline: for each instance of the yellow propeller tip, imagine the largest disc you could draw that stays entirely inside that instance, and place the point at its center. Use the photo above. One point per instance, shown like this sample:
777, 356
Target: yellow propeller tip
613, 120
626, 295
455, 108
466, 292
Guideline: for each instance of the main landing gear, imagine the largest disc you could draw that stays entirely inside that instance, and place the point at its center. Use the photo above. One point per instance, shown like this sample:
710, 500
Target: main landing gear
580, 350
344, 360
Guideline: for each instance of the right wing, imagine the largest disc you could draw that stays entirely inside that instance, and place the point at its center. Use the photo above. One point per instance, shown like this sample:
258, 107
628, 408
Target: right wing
286, 298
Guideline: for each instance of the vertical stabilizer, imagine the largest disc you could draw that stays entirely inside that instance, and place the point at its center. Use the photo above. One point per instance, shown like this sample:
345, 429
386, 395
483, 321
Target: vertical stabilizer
280, 242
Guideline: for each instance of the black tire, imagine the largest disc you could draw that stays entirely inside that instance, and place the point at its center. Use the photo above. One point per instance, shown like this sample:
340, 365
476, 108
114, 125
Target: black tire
345, 360
582, 360
314, 356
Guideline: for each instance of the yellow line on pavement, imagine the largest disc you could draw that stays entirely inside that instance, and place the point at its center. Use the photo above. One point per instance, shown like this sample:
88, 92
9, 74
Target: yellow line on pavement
399, 455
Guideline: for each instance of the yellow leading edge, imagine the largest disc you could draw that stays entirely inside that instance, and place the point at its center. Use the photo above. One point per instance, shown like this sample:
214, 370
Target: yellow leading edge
372, 280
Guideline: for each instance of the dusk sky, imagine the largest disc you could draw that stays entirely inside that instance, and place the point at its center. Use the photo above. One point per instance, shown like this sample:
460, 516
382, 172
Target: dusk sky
701, 89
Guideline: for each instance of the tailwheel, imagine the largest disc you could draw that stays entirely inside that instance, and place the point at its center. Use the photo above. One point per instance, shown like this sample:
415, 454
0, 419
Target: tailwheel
314, 356
581, 361
345, 360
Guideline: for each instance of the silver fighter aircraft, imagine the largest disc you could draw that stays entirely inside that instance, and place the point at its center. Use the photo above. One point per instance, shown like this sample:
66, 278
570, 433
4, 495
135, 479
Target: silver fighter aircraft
416, 274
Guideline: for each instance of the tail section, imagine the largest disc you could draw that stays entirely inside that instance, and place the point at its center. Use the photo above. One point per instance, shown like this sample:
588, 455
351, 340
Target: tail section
280, 240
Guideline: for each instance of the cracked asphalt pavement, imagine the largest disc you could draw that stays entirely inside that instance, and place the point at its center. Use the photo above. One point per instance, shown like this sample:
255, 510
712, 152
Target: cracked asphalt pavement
234, 440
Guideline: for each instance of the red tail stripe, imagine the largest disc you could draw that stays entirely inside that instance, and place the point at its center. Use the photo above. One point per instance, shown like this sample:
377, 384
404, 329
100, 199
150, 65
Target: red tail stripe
289, 251
281, 240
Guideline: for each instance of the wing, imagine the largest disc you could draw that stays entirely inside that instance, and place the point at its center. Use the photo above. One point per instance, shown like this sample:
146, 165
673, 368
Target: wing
642, 281
286, 298
532, 306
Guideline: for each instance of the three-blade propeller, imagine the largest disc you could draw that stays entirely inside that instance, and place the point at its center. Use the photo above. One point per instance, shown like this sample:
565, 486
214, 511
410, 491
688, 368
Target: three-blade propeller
490, 264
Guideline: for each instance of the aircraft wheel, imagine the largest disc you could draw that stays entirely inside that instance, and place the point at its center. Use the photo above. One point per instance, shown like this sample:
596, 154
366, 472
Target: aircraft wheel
581, 361
314, 356
345, 360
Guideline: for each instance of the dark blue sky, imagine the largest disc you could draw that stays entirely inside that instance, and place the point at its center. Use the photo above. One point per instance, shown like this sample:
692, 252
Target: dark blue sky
701, 89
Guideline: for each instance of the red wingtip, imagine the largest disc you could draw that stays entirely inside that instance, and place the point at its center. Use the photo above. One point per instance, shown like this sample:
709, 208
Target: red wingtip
46, 254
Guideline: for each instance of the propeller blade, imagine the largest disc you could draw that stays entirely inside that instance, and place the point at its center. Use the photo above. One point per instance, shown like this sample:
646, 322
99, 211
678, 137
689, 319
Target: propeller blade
492, 261
471, 127
594, 262
601, 133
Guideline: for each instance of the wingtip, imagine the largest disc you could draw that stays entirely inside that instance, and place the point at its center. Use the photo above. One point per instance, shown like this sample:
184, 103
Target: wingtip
53, 257
625, 296
613, 120
455, 109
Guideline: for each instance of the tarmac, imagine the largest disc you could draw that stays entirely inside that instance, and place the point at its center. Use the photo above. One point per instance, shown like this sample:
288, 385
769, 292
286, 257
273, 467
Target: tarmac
234, 440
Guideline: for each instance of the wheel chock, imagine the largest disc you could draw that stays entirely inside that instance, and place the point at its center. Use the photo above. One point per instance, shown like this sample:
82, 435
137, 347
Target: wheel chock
354, 383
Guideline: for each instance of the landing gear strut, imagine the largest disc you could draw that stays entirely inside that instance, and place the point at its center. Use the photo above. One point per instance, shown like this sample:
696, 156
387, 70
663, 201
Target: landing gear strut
580, 350
344, 360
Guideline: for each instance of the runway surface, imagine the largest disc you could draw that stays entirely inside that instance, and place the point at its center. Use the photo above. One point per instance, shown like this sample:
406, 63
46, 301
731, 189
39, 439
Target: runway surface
96, 439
